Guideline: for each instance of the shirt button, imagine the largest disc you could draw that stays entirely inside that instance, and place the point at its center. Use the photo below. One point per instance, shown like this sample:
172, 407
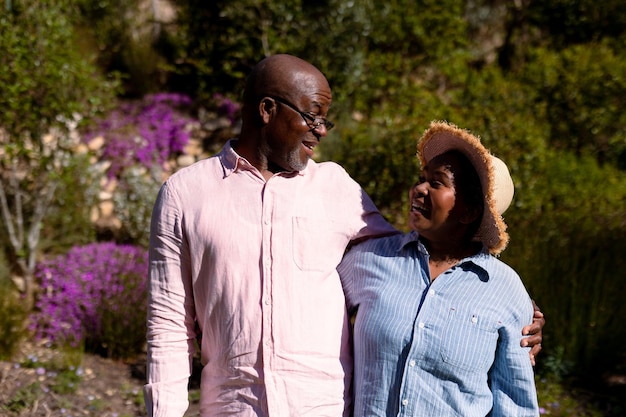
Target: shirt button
267, 301
405, 402
412, 363
266, 221
474, 319
421, 325
431, 292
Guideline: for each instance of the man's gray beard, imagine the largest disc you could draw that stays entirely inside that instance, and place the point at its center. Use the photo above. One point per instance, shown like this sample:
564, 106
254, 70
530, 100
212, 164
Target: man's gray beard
294, 161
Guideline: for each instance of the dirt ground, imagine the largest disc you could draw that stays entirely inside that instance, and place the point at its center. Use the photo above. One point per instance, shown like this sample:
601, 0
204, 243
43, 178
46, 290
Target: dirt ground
43, 382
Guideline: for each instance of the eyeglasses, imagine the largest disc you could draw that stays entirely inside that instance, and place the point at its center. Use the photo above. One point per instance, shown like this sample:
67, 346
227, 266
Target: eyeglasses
312, 122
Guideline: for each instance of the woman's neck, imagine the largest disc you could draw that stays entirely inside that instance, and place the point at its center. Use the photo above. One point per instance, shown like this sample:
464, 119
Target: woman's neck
445, 255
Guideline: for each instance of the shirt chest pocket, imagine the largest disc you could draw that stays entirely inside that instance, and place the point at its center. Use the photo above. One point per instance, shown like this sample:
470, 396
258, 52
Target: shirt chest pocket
469, 341
318, 243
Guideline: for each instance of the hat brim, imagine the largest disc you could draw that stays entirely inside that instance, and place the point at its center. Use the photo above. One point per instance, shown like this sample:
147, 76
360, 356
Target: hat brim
495, 179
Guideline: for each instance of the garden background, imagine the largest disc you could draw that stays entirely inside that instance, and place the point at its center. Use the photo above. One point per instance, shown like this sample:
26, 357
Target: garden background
101, 100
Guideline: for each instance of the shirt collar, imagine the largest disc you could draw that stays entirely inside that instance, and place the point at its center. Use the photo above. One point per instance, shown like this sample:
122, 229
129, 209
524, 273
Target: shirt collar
476, 263
232, 161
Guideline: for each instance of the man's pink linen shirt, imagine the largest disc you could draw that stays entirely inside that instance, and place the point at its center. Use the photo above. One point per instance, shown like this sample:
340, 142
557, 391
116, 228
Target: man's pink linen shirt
253, 264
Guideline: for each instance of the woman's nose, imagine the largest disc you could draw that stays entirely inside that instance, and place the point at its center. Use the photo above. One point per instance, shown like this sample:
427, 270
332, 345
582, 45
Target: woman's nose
419, 189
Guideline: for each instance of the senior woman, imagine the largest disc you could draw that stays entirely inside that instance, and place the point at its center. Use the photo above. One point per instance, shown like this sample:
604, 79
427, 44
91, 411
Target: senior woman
437, 313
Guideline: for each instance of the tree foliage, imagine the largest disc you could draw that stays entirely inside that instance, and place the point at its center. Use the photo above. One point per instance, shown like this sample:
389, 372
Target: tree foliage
48, 89
218, 43
569, 22
584, 88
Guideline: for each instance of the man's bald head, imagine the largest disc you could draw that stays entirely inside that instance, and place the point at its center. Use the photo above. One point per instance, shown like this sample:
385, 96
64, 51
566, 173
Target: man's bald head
280, 75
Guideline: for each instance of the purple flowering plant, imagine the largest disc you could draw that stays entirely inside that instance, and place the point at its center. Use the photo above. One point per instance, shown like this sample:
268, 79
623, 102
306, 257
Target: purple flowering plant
227, 107
144, 132
95, 295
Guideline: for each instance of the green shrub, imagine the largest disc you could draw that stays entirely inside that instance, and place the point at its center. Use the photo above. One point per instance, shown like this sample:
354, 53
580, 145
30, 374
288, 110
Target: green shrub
68, 221
133, 199
567, 245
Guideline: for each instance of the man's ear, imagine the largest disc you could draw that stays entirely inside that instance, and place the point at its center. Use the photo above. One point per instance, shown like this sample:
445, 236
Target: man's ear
267, 107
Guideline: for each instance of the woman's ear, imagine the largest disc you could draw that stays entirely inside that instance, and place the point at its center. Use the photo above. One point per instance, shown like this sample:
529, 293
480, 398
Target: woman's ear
471, 215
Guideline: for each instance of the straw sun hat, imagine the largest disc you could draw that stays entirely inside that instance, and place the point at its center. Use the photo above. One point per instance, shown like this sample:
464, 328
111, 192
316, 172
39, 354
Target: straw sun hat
494, 176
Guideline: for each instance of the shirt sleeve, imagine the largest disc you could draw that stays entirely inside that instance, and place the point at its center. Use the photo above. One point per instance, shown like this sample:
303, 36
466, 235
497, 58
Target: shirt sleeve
374, 223
171, 315
512, 377
349, 204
